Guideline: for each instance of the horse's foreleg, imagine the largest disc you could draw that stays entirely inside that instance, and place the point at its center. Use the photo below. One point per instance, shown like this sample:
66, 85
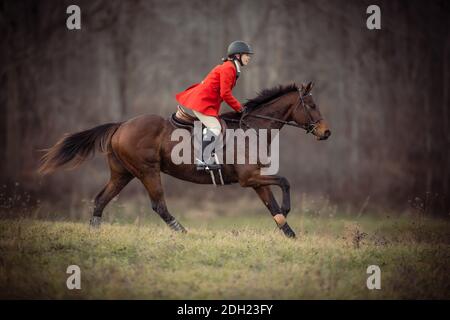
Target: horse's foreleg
152, 182
282, 182
268, 199
286, 190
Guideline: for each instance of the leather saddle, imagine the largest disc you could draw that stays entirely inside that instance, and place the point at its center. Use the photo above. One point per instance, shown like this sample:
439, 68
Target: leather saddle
182, 119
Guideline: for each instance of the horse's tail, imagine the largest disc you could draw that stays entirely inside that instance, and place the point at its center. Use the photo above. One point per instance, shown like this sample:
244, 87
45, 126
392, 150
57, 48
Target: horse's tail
76, 147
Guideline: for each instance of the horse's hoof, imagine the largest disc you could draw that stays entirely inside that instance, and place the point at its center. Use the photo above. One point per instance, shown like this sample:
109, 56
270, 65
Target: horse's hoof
95, 222
288, 232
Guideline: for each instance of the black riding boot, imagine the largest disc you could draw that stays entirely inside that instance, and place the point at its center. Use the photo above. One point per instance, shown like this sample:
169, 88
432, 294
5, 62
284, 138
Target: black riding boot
209, 161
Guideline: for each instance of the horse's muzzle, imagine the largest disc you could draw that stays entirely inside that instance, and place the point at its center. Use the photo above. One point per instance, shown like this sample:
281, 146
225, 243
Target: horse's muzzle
325, 136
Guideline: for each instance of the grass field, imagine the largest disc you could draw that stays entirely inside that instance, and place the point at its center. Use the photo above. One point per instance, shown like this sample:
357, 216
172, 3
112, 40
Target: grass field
227, 258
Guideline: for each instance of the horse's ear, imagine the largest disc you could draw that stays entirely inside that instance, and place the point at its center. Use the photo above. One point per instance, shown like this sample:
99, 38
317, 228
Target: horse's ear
309, 87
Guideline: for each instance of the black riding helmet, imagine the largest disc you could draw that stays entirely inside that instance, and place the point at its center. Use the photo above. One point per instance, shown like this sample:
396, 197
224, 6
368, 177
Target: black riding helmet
238, 47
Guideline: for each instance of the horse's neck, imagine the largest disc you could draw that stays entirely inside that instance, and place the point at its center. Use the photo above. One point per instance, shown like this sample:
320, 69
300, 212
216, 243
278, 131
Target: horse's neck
278, 110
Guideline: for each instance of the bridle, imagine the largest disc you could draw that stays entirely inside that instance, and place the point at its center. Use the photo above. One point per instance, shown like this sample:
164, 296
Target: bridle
310, 127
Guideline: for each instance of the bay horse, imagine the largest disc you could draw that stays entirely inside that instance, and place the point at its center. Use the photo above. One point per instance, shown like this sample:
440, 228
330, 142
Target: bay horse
141, 147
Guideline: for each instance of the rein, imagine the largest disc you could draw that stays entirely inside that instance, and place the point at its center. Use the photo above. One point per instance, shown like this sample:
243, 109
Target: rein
309, 128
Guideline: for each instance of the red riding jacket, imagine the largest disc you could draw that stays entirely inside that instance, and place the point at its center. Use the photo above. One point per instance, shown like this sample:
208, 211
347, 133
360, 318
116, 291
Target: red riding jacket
206, 97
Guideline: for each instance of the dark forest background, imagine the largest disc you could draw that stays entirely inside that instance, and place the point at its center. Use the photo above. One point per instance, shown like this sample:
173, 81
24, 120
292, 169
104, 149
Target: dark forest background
384, 92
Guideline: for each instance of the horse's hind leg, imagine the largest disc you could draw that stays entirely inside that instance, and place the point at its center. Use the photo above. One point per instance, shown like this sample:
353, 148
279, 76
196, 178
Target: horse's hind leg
152, 182
118, 180
267, 197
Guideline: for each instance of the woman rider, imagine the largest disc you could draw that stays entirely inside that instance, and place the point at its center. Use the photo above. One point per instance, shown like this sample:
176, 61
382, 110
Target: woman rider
204, 98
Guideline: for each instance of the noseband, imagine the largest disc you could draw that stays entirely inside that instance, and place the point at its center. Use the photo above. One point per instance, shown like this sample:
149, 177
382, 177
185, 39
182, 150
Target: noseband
310, 127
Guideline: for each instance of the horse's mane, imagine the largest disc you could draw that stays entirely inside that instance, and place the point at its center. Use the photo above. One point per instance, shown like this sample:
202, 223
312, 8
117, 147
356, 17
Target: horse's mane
267, 95
263, 97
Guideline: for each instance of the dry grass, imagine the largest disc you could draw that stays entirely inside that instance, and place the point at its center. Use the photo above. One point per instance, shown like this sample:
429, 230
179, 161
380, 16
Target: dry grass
226, 258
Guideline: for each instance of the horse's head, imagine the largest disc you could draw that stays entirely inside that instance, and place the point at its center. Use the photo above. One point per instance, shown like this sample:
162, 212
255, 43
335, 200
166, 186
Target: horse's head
307, 114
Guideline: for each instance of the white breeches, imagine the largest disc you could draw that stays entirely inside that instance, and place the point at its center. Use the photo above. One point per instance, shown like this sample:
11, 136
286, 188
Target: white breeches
211, 122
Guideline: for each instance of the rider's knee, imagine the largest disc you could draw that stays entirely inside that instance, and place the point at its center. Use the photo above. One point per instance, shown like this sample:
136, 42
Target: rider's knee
213, 130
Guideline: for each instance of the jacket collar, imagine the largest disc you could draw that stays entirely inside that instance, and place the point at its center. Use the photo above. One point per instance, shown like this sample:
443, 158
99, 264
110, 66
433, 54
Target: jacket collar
238, 68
